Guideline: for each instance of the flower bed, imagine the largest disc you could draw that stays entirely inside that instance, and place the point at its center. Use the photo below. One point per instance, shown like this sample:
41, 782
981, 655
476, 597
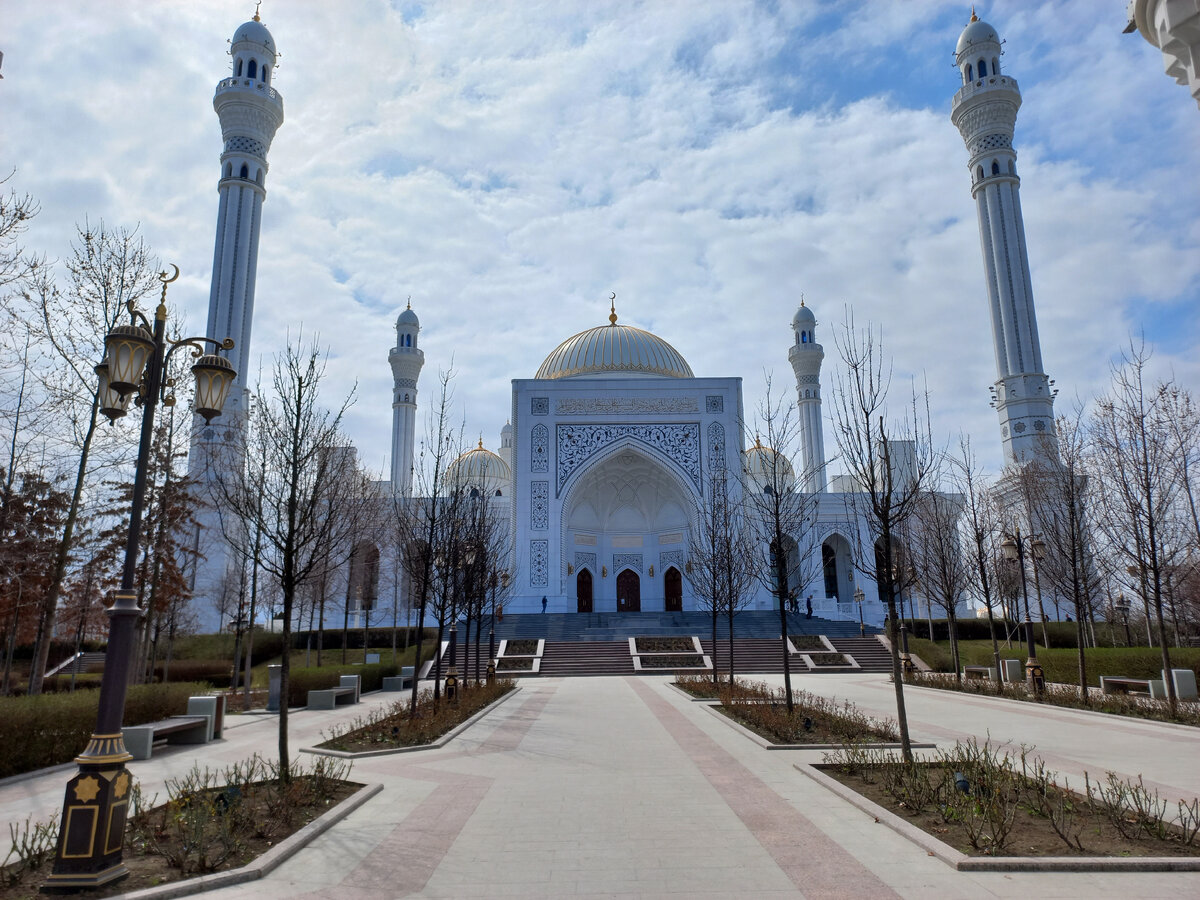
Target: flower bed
515, 664
828, 659
664, 645
672, 661
1065, 695
985, 802
211, 822
699, 685
521, 648
391, 726
813, 719
804, 642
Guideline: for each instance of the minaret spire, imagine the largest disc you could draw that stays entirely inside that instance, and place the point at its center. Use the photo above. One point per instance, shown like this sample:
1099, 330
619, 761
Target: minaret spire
406, 360
985, 113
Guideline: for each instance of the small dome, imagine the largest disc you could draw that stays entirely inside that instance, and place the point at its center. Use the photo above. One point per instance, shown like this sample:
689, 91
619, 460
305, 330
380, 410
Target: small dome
408, 317
614, 349
976, 32
507, 429
480, 468
765, 466
803, 318
254, 32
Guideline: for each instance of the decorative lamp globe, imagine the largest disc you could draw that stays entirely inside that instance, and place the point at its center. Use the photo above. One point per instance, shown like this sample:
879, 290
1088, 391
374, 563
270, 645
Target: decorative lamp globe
128, 347
214, 377
112, 404
1009, 546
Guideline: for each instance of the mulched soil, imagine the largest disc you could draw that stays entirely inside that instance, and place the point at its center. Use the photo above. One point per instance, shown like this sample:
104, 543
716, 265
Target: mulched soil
817, 733
679, 661
148, 869
521, 648
520, 664
828, 659
1032, 835
664, 645
807, 642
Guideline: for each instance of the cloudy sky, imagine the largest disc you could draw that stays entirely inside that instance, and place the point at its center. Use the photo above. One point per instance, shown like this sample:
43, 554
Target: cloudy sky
509, 164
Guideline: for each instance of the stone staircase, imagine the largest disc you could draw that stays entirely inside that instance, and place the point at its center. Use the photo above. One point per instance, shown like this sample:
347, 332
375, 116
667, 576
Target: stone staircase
613, 626
868, 652
78, 664
568, 658
751, 656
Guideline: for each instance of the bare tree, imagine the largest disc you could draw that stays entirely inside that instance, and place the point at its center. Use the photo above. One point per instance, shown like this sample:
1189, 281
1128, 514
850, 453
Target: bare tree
311, 490
1139, 479
722, 549
891, 475
782, 515
978, 525
937, 556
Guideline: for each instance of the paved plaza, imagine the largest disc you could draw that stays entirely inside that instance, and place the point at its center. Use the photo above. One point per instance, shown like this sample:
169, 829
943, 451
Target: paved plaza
597, 787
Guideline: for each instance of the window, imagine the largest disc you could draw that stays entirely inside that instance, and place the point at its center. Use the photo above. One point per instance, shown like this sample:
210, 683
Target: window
238, 70
995, 167
995, 66
804, 337
970, 72
499, 493
982, 69
228, 169
252, 69
980, 171
245, 171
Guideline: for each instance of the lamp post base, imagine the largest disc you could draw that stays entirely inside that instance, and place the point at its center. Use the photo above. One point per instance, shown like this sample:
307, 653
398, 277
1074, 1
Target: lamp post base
92, 832
452, 684
1034, 675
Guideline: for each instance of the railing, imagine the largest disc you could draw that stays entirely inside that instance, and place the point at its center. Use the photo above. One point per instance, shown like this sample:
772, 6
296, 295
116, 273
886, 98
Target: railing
228, 83
982, 83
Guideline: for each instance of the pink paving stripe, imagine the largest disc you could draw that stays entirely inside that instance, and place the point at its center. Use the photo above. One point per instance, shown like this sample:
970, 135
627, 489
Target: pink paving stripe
404, 861
818, 866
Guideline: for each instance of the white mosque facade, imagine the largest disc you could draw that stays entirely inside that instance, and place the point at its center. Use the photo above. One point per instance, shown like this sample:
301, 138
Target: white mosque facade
611, 443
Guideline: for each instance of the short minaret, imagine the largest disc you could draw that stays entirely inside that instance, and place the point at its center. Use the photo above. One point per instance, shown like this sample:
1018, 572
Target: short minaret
406, 359
985, 112
250, 110
806, 356
506, 436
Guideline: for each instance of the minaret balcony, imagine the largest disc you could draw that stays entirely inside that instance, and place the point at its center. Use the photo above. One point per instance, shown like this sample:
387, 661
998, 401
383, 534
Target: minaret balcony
226, 85
991, 83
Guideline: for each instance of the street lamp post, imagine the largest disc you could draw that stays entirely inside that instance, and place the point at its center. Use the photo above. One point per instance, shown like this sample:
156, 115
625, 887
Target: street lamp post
1122, 606
1014, 551
467, 561
859, 596
92, 828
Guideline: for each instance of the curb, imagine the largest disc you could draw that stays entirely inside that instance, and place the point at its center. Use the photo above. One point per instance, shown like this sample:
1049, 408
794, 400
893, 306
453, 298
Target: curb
767, 745
963, 863
266, 863
440, 742
691, 697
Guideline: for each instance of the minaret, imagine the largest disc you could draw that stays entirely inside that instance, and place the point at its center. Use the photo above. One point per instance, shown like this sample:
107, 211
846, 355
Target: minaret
406, 359
506, 436
806, 356
250, 110
985, 112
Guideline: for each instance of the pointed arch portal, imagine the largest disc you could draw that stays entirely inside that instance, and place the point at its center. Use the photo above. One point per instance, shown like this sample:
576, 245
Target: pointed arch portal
629, 591
583, 591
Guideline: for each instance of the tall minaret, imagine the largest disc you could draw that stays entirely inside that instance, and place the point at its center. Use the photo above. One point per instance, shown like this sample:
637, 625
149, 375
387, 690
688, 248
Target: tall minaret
806, 356
985, 112
406, 359
250, 110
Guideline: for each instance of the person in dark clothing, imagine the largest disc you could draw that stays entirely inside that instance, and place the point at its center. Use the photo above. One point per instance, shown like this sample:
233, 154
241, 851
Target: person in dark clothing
543, 604
808, 607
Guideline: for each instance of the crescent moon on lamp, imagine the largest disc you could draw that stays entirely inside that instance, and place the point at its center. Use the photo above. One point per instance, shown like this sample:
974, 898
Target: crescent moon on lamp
162, 276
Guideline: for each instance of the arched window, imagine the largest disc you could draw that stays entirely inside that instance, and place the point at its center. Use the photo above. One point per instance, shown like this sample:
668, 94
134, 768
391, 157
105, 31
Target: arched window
982, 69
970, 72
408, 340
474, 493
238, 69
262, 73
767, 490
499, 493
995, 66
252, 69
804, 337
406, 398
995, 167
245, 171
980, 171
228, 169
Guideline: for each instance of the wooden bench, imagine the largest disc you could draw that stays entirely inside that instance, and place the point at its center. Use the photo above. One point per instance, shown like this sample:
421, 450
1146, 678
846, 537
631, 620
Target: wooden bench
139, 739
986, 673
344, 694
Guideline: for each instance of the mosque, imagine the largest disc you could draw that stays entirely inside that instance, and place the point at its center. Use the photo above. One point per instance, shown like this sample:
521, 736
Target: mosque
610, 446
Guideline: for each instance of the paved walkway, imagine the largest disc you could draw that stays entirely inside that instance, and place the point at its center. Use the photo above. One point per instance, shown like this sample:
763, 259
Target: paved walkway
595, 787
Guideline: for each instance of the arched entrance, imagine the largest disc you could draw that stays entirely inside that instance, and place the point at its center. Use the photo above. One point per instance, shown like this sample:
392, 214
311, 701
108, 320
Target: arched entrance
583, 591
629, 591
673, 589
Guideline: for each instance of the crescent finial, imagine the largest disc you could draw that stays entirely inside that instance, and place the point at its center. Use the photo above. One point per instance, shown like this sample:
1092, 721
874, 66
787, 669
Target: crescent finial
162, 276
612, 316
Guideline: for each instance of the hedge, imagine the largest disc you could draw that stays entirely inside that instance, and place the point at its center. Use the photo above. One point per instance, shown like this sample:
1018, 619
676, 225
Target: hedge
1062, 664
302, 680
49, 729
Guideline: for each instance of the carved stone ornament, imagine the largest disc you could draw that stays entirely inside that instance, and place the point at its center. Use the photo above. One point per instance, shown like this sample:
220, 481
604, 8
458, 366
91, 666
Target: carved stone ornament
577, 444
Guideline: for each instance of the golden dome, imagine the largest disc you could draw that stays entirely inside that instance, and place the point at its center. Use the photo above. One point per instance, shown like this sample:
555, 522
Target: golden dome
479, 467
614, 350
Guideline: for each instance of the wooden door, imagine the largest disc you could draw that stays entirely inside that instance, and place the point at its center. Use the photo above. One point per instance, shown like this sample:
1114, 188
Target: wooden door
583, 591
629, 591
673, 588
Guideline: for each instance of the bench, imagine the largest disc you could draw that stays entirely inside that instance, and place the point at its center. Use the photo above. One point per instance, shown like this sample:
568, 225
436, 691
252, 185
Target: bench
401, 682
1115, 684
203, 722
982, 673
344, 694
